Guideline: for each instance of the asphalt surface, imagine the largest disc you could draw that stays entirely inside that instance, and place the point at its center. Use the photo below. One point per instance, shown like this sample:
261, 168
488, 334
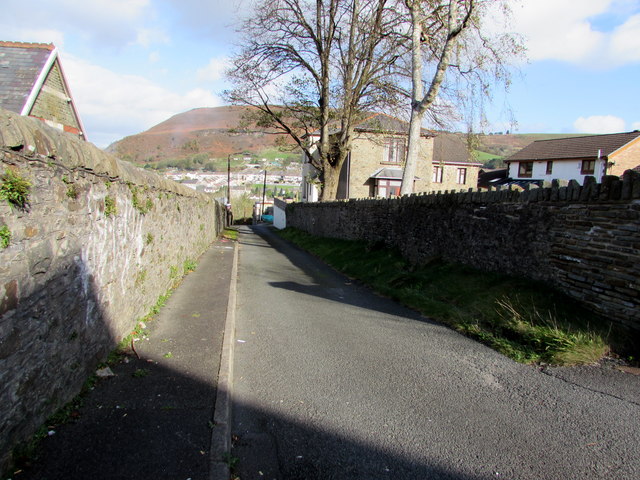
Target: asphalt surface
155, 418
334, 382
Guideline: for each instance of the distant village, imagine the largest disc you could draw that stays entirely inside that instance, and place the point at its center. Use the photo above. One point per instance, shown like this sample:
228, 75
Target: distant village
283, 181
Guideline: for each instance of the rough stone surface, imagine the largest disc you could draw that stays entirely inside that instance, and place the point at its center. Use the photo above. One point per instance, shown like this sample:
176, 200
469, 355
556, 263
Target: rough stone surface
73, 279
585, 241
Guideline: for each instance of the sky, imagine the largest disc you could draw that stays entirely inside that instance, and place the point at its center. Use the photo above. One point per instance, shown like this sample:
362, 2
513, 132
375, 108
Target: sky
131, 64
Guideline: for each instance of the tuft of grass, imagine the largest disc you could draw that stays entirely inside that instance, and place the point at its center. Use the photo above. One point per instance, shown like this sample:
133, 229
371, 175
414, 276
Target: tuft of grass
140, 372
5, 236
110, 207
189, 265
14, 189
230, 234
524, 320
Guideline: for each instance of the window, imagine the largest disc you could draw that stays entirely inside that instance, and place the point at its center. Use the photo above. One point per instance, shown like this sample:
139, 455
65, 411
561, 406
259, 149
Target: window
394, 151
437, 175
549, 167
588, 167
461, 177
525, 169
388, 188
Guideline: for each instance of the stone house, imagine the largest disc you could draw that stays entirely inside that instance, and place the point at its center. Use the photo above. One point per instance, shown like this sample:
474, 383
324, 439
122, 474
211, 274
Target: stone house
32, 83
575, 158
375, 164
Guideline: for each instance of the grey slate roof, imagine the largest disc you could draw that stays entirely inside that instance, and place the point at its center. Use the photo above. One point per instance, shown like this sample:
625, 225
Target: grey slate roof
20, 66
383, 123
388, 173
449, 147
574, 147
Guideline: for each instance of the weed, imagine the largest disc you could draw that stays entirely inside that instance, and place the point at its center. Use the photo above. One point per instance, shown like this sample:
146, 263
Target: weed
168, 355
230, 460
72, 192
140, 372
142, 206
230, 234
5, 236
15, 189
189, 266
173, 272
141, 277
110, 206
148, 239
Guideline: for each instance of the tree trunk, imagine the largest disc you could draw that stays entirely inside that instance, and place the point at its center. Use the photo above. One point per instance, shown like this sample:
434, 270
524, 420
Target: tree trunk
331, 181
415, 124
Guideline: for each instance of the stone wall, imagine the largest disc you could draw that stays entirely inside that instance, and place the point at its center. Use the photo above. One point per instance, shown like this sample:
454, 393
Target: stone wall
583, 240
99, 241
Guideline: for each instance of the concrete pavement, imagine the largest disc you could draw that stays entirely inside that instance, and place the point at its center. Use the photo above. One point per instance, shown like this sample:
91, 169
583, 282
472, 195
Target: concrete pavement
333, 382
155, 418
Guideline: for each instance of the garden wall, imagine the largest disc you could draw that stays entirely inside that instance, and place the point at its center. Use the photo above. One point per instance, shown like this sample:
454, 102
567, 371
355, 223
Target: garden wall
96, 245
583, 240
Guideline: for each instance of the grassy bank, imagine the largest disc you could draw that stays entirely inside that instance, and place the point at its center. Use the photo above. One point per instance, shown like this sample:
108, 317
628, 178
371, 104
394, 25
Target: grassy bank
525, 320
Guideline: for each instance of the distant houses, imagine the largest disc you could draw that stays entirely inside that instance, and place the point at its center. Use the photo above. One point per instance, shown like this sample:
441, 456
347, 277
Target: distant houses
32, 83
375, 163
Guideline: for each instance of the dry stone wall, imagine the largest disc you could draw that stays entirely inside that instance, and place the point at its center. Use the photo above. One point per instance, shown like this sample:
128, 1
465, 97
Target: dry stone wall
585, 240
99, 241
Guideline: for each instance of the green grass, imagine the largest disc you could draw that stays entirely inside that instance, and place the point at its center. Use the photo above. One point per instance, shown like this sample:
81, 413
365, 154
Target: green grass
230, 234
5, 236
525, 320
14, 189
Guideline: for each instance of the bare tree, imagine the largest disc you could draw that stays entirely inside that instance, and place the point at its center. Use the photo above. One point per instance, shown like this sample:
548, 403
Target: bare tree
449, 35
310, 66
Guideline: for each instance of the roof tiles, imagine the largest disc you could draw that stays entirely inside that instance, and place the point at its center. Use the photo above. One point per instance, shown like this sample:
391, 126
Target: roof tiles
20, 66
574, 147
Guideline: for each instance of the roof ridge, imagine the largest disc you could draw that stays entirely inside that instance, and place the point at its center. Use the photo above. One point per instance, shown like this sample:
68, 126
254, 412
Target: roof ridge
586, 135
48, 46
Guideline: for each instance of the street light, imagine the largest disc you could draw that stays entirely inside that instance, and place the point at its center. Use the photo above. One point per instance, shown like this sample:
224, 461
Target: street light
244, 154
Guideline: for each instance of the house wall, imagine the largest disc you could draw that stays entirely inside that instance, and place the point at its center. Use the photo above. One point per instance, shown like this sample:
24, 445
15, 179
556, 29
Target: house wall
449, 178
367, 157
584, 240
562, 170
626, 158
50, 106
73, 278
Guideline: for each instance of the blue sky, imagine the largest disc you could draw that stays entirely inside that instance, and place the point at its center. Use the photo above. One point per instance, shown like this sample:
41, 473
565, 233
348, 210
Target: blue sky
134, 63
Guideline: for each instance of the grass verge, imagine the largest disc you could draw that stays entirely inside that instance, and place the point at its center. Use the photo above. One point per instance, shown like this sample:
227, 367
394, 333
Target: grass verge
525, 320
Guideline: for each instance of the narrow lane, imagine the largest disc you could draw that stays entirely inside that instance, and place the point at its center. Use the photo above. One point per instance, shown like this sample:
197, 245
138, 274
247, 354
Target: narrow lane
332, 381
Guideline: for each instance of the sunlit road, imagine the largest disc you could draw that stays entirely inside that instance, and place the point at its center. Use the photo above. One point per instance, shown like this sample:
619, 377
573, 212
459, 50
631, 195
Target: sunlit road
333, 382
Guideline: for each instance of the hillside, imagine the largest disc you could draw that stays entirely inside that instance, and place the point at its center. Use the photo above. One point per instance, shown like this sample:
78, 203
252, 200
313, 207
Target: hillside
201, 133
192, 139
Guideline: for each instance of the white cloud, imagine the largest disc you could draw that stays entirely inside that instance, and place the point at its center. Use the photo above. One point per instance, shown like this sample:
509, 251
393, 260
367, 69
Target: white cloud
599, 124
565, 30
559, 29
154, 57
114, 105
148, 36
635, 126
107, 23
624, 45
213, 71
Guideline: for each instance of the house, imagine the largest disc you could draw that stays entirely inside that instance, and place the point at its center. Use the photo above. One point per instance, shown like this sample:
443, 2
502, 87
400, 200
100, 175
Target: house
32, 83
375, 163
574, 158
453, 167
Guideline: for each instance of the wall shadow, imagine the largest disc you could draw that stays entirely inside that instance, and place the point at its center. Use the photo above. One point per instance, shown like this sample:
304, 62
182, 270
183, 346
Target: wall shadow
324, 278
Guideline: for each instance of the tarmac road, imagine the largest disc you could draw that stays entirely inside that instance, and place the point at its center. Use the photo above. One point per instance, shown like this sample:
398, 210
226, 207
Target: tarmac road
333, 382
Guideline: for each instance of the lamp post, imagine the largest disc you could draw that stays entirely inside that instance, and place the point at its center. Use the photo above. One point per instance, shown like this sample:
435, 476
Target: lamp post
244, 154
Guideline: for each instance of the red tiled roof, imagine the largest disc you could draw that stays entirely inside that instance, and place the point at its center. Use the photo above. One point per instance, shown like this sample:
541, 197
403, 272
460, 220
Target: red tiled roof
574, 147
